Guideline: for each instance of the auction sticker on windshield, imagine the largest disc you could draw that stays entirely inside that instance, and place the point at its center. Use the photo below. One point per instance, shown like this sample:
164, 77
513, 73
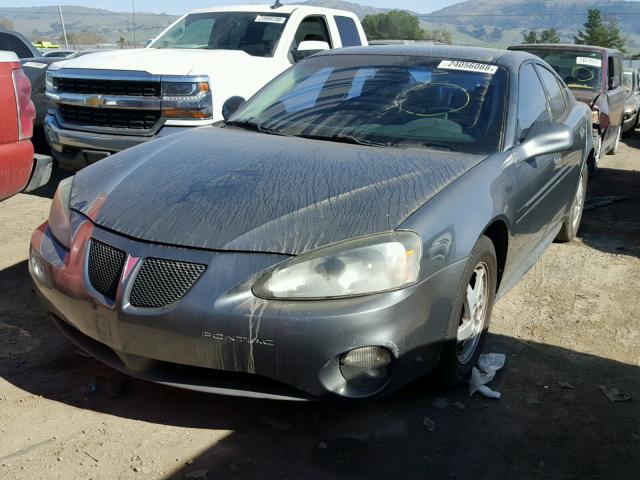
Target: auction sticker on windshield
270, 19
593, 62
467, 66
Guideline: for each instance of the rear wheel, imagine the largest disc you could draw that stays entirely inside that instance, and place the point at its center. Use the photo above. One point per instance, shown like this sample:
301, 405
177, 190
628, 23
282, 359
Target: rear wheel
571, 224
470, 316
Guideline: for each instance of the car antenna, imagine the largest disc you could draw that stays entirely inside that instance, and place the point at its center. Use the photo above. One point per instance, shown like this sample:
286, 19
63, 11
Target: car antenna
276, 4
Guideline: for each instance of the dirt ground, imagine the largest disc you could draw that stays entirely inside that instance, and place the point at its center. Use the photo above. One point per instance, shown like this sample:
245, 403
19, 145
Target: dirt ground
574, 319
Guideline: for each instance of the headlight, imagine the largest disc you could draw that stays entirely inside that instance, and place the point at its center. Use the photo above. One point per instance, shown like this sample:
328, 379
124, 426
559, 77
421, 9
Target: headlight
48, 83
595, 115
187, 100
60, 215
372, 264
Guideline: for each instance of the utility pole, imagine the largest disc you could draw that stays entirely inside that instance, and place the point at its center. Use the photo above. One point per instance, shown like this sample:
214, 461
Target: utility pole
133, 10
64, 30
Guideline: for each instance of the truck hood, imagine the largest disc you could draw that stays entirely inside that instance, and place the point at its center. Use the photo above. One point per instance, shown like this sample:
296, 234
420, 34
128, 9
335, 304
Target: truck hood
229, 189
164, 61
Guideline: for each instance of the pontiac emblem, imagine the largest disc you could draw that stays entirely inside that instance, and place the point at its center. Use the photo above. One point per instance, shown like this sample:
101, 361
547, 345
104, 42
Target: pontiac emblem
95, 101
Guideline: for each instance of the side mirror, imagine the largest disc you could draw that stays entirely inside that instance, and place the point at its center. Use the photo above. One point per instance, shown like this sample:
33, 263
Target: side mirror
147, 42
613, 83
307, 48
231, 106
550, 138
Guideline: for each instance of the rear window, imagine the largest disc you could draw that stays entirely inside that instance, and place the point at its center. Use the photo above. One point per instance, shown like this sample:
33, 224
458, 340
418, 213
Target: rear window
348, 31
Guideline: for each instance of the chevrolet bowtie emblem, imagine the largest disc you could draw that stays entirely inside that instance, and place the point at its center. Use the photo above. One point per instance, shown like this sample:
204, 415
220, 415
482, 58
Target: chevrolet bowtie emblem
95, 101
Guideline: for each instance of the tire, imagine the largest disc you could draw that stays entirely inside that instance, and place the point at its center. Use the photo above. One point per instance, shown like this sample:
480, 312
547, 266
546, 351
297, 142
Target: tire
616, 144
571, 224
458, 358
592, 162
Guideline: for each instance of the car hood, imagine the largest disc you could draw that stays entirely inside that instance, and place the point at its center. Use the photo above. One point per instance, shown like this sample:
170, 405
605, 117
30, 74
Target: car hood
164, 61
229, 189
585, 96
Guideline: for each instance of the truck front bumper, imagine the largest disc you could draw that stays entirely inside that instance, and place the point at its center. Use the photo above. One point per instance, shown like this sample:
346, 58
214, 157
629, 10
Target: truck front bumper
75, 149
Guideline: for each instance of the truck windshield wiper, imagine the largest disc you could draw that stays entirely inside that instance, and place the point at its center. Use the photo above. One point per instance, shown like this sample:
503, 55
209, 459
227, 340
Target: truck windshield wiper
255, 127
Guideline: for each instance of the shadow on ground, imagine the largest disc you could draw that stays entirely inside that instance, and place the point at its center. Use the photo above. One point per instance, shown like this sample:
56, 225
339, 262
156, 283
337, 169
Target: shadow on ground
537, 430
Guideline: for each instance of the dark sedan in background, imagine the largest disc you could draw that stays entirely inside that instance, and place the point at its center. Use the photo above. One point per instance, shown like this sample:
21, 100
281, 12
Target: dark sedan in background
347, 230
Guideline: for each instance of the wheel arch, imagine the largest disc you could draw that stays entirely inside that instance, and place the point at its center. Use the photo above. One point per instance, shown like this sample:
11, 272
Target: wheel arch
498, 232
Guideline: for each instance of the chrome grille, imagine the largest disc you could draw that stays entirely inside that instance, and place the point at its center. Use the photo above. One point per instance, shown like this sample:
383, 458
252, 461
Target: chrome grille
134, 88
105, 267
162, 282
110, 117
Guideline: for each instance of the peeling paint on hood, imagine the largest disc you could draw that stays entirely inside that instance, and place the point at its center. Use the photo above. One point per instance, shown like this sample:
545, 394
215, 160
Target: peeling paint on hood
228, 189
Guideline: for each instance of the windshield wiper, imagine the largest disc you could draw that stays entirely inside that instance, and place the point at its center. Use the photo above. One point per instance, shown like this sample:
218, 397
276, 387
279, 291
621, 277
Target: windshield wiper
339, 138
255, 127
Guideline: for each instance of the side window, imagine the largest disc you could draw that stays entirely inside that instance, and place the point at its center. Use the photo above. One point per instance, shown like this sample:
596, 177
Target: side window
614, 70
348, 31
12, 43
532, 101
312, 28
556, 95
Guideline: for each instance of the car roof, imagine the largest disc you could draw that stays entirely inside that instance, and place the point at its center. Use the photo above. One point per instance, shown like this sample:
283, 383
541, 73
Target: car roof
506, 58
564, 46
267, 8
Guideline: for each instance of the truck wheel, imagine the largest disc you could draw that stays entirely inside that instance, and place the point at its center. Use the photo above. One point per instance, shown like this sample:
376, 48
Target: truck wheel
470, 315
592, 162
571, 224
616, 144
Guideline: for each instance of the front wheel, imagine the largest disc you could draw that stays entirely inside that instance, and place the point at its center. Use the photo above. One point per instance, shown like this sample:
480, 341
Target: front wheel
470, 315
616, 144
571, 224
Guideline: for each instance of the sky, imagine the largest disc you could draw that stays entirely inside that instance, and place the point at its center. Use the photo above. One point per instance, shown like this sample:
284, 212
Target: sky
173, 7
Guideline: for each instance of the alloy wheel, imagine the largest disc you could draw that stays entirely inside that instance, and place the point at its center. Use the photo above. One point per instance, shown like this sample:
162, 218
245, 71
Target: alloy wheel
474, 312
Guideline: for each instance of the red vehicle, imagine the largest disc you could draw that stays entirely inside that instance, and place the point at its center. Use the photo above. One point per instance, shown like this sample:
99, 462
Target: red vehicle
20, 168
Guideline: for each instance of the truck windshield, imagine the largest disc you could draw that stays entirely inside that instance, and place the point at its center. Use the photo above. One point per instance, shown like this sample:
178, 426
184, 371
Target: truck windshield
384, 100
255, 33
578, 68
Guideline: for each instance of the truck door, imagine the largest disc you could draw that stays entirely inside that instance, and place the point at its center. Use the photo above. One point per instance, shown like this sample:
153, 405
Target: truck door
615, 96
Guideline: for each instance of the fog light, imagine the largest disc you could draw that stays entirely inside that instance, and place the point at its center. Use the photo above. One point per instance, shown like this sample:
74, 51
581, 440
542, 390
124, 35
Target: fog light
366, 368
37, 265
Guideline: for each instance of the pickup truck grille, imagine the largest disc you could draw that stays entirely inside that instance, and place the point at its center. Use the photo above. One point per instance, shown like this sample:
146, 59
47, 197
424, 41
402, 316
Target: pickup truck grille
107, 87
109, 117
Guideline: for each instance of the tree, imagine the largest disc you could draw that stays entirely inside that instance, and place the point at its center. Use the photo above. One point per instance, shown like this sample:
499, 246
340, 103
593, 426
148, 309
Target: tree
395, 24
546, 36
438, 35
600, 33
6, 23
549, 36
83, 38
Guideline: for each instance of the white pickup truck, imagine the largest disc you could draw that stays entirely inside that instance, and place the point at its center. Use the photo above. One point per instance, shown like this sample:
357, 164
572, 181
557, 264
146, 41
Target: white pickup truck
104, 102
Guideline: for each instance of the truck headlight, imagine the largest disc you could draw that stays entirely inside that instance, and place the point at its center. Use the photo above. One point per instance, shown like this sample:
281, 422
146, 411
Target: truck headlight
367, 265
187, 100
60, 213
48, 82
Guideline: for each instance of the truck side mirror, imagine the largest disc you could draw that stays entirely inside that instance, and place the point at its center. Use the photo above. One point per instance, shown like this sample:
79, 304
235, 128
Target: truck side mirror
147, 42
231, 106
613, 83
307, 48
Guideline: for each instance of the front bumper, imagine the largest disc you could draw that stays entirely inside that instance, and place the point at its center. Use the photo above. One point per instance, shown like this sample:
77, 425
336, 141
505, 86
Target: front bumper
75, 149
220, 338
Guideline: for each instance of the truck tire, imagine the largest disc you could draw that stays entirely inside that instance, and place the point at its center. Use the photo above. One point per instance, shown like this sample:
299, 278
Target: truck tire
478, 281
616, 144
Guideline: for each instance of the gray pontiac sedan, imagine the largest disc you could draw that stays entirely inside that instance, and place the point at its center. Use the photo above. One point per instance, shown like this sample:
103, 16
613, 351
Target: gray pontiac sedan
346, 231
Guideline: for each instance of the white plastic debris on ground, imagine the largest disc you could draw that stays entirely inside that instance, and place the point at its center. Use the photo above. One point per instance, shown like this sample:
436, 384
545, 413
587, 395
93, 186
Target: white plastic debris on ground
488, 365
